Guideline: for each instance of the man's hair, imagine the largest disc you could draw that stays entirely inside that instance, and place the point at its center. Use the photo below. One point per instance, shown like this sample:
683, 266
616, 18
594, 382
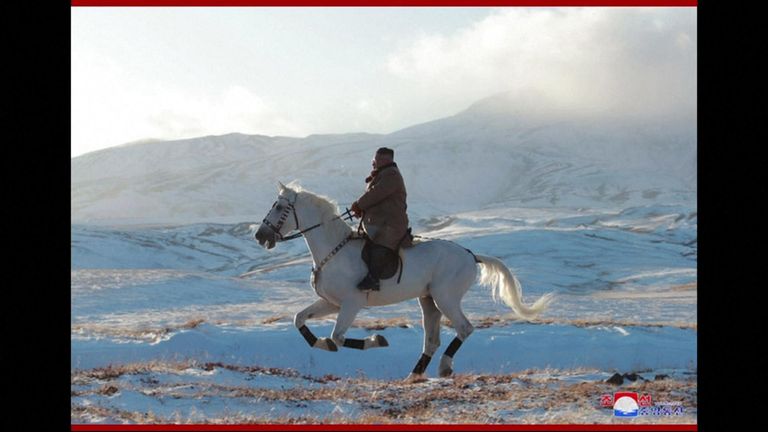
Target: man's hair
386, 151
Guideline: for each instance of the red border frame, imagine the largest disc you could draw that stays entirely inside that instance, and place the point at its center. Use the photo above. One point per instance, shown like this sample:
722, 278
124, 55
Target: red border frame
374, 3
393, 427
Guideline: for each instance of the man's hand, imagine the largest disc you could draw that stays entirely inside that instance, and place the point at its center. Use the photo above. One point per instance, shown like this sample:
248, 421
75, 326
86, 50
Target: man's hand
356, 210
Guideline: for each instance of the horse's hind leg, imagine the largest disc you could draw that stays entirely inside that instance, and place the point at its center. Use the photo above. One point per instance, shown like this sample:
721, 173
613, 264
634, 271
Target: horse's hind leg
431, 321
317, 309
451, 307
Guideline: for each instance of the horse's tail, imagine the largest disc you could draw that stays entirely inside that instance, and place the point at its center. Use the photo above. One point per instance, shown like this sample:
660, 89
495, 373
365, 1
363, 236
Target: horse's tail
504, 284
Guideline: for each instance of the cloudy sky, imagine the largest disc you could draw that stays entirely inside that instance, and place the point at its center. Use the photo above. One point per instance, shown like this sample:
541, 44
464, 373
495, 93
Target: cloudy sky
169, 73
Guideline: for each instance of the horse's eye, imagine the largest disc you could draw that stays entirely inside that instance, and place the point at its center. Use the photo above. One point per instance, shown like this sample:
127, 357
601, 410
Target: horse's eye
280, 207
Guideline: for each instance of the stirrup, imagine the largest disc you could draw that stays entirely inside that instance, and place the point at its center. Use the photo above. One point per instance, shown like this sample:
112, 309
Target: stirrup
368, 284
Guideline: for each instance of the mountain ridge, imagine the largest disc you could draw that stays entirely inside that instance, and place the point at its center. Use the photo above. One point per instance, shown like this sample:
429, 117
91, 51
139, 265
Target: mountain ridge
483, 156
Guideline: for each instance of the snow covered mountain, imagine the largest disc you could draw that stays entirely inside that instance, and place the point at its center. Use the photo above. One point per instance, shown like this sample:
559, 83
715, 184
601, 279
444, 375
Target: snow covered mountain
501, 151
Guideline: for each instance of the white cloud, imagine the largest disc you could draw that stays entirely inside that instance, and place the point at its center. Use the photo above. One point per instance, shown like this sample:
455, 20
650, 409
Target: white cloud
109, 104
639, 61
235, 109
372, 112
635, 61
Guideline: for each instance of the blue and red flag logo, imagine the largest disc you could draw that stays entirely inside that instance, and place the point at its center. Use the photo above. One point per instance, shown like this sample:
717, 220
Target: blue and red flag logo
625, 404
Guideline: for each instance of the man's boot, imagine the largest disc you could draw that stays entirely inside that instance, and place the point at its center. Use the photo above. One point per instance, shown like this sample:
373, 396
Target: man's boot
378, 261
370, 283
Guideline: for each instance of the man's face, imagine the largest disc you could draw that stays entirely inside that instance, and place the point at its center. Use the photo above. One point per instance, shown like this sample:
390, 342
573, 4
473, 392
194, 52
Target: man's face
379, 160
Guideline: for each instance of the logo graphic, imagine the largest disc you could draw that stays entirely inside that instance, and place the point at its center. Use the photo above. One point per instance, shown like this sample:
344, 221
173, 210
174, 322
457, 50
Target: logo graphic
606, 401
625, 404
630, 404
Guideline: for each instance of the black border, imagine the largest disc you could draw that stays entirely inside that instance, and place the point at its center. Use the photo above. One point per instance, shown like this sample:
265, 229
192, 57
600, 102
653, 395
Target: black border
37, 275
44, 200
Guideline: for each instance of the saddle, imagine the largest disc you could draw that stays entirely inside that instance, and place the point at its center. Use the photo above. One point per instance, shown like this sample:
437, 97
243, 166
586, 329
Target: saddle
384, 261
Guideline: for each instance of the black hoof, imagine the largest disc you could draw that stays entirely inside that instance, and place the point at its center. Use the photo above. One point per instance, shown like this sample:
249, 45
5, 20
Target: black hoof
446, 373
381, 341
332, 345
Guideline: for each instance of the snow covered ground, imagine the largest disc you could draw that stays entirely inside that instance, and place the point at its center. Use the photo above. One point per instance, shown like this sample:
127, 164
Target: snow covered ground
178, 315
195, 315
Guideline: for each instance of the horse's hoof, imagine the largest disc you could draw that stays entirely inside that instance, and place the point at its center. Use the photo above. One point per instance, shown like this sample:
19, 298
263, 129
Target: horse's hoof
415, 378
332, 345
381, 341
446, 373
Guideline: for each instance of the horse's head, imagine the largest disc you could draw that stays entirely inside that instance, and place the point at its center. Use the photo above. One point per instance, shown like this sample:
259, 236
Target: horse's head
281, 218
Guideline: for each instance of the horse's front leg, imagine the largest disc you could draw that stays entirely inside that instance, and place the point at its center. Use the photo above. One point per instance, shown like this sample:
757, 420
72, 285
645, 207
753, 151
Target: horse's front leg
347, 314
317, 309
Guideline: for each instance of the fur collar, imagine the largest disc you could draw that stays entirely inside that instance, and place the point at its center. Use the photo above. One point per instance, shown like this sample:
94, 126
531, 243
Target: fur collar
376, 172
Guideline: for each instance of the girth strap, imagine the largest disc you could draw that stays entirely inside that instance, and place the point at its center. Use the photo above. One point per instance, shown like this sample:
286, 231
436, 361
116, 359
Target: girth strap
324, 261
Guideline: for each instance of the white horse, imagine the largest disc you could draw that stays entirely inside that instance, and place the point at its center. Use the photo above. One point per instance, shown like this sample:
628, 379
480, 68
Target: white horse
438, 273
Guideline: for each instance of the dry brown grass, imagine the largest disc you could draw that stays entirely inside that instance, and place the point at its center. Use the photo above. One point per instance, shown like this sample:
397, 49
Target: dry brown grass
502, 321
693, 286
112, 372
91, 413
368, 324
129, 332
273, 319
115, 371
529, 396
381, 324
156, 333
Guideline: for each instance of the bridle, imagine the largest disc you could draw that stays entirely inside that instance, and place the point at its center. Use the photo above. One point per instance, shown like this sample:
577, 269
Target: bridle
283, 216
290, 208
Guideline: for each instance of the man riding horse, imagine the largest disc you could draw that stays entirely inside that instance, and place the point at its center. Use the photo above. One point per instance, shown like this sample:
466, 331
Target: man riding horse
382, 209
439, 273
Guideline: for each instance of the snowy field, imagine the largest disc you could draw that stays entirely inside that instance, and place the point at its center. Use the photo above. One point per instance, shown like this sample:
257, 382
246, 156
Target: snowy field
193, 323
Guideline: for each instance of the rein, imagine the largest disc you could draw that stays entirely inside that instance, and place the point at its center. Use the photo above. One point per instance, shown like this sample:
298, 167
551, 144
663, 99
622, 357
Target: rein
290, 208
347, 215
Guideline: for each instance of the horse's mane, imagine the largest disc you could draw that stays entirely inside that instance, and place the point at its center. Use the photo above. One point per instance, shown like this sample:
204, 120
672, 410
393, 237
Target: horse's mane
328, 207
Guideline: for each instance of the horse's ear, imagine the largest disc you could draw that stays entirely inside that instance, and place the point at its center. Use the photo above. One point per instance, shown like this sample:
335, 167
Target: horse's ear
280, 187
